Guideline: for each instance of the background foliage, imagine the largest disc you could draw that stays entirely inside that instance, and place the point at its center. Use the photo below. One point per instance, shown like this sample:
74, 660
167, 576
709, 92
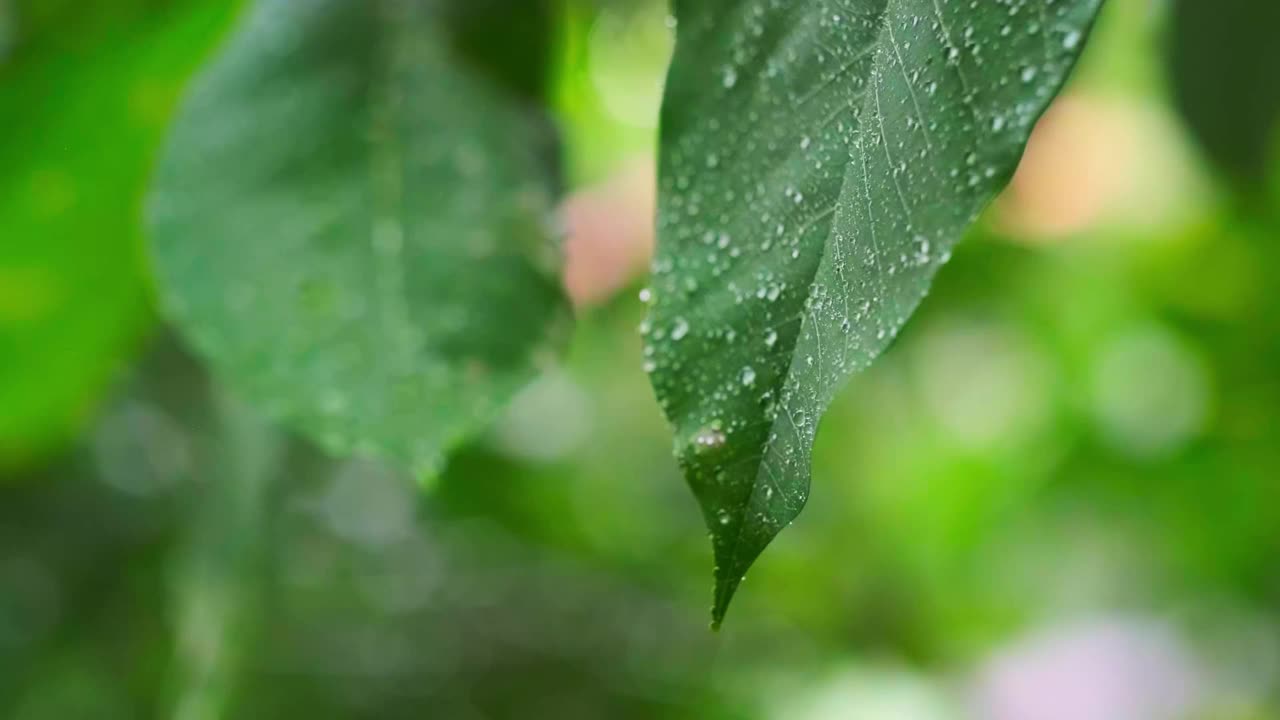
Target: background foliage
1063, 472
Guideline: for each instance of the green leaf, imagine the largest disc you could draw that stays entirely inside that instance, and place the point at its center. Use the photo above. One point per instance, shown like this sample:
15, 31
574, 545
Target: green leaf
351, 224
511, 41
8, 30
1223, 61
84, 105
818, 162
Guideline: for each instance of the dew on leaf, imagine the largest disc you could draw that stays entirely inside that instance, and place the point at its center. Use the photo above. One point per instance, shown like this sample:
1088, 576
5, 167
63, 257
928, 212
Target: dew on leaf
708, 438
680, 329
863, 147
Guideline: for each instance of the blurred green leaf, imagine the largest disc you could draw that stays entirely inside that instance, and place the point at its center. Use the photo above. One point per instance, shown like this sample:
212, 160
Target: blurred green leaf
352, 226
1223, 60
8, 29
816, 169
83, 106
511, 41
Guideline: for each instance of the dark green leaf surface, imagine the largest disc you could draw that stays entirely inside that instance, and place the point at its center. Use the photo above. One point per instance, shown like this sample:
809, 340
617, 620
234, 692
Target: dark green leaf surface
351, 224
8, 30
511, 41
819, 159
1224, 60
84, 103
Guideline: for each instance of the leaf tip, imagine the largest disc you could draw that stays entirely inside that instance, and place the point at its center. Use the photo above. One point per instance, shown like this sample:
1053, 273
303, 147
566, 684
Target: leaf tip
726, 587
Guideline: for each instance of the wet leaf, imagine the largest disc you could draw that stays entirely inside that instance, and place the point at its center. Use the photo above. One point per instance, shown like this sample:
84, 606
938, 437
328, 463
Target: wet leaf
818, 162
351, 225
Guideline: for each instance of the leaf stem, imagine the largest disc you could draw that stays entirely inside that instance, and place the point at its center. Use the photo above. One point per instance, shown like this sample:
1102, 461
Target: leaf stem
216, 576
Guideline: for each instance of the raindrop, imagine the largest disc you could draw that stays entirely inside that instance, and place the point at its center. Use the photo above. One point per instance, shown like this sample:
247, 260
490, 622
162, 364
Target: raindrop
708, 438
680, 329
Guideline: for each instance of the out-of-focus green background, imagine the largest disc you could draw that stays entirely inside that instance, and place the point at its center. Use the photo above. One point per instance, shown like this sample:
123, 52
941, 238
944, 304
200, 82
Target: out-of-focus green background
1057, 497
